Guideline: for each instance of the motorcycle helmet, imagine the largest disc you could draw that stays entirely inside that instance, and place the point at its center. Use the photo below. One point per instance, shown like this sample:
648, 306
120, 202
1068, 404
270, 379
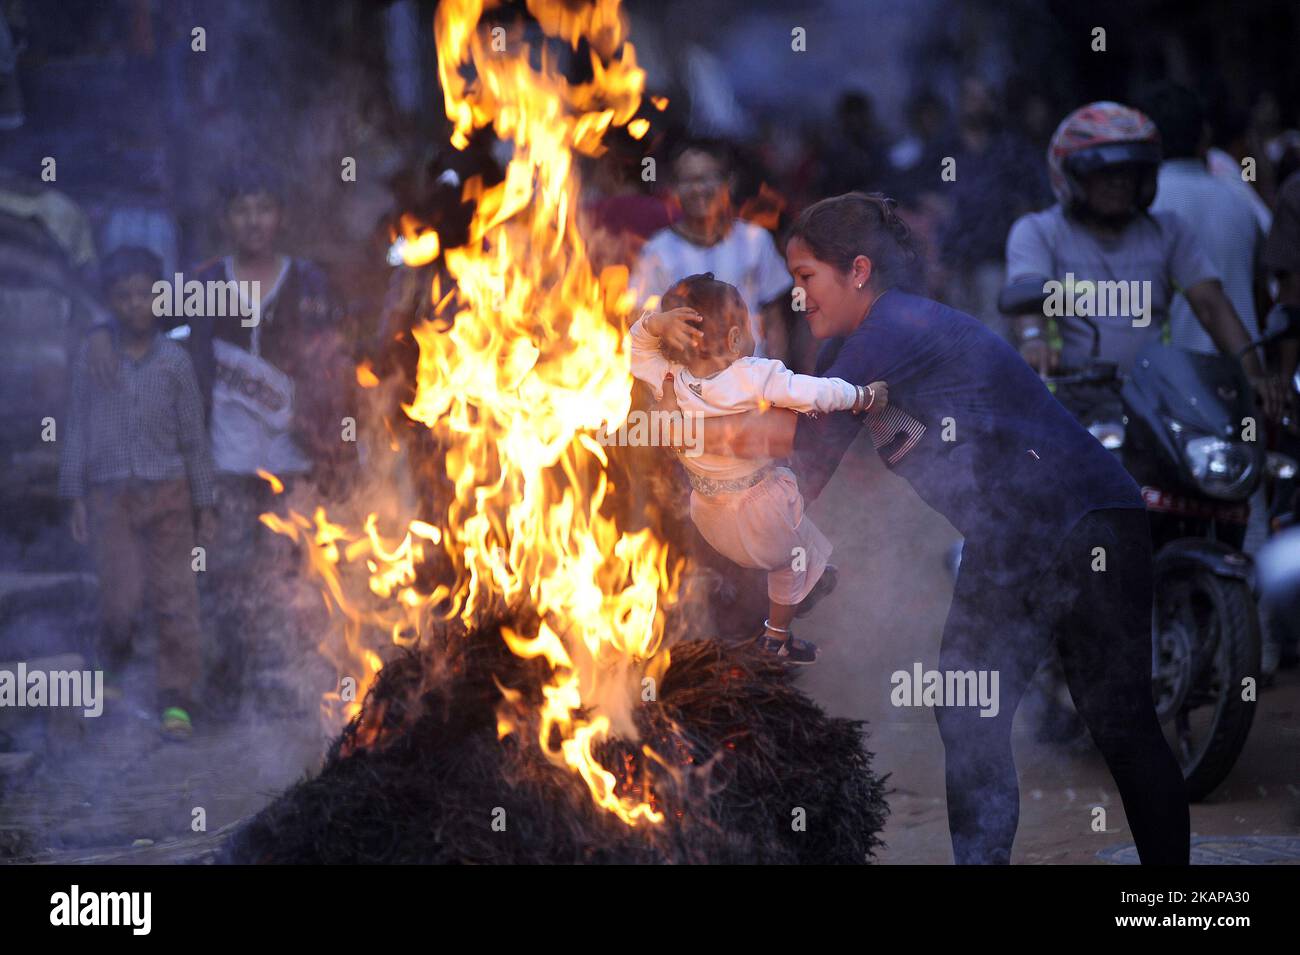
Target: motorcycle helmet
1098, 136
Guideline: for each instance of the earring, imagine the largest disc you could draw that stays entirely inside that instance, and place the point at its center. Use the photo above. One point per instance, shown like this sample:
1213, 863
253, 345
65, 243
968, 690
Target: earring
860, 284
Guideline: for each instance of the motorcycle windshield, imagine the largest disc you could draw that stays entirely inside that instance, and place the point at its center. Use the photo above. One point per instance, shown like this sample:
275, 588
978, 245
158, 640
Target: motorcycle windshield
1203, 393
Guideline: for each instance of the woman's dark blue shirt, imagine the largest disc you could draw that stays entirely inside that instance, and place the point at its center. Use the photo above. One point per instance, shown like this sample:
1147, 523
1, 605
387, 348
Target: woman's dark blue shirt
1001, 458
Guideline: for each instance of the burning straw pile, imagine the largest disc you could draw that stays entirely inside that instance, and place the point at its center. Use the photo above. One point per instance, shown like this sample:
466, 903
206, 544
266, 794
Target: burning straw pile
539, 710
746, 752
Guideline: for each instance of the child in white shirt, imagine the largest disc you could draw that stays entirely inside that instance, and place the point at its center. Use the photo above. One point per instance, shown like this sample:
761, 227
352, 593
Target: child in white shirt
749, 510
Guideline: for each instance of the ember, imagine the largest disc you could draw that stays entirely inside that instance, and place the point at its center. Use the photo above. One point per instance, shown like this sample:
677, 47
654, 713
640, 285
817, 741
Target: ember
736, 759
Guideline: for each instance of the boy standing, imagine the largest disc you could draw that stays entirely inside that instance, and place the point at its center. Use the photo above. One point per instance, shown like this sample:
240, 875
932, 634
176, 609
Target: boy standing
275, 381
135, 459
277, 391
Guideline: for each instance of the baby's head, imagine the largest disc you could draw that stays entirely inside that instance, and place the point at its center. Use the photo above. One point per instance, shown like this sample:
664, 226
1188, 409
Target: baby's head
725, 321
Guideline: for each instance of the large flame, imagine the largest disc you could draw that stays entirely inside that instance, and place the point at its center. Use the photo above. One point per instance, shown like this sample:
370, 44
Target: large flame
527, 361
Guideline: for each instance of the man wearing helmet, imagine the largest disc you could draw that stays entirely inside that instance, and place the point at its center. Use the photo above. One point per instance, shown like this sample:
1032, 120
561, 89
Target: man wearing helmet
1103, 161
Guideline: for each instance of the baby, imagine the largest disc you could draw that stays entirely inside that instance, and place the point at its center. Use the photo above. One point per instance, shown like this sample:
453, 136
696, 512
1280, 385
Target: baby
749, 510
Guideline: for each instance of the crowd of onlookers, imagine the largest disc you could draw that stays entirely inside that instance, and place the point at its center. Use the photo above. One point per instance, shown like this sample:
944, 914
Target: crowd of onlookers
962, 175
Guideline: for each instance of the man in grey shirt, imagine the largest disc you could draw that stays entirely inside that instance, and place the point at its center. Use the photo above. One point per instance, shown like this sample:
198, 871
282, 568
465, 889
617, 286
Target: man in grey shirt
1112, 260
1157, 249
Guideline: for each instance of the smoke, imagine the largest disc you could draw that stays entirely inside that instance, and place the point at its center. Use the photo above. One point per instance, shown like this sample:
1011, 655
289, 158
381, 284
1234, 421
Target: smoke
888, 614
110, 780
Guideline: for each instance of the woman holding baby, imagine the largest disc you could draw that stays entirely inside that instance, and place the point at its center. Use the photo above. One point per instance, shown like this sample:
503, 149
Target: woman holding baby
1032, 492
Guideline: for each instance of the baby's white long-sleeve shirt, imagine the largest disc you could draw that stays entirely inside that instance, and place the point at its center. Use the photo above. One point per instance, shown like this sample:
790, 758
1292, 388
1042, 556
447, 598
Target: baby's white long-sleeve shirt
748, 384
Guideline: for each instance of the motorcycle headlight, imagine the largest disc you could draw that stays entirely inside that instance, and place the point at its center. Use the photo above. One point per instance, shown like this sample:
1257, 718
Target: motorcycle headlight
1109, 433
1281, 466
1222, 469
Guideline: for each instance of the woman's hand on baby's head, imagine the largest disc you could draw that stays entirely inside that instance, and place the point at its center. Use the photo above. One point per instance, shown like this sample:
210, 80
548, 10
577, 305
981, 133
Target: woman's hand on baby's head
676, 328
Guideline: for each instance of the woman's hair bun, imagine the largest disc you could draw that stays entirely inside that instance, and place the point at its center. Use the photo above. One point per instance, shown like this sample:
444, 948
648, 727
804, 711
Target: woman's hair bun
841, 228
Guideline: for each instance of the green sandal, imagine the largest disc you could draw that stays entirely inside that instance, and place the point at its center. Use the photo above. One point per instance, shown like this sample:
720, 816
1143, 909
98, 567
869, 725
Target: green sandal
176, 724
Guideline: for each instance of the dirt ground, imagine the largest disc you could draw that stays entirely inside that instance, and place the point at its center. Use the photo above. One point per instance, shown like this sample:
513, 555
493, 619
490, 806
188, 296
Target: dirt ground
120, 793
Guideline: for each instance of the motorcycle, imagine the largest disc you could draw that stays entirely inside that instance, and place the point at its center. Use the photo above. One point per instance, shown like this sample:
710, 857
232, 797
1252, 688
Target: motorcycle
1181, 423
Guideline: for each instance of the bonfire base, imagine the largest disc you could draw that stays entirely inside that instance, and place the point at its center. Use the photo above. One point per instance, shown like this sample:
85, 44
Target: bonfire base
752, 771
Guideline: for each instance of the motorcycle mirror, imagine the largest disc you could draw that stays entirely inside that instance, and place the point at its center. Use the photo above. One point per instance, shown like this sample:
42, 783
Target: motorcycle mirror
1102, 370
1096, 334
1025, 297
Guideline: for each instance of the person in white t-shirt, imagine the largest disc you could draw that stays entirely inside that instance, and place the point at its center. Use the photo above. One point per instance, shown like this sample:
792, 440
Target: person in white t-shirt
748, 510
709, 238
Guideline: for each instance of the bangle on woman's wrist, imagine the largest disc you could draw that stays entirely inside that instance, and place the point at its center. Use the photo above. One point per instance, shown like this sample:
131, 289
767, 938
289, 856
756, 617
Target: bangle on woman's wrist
860, 399
871, 398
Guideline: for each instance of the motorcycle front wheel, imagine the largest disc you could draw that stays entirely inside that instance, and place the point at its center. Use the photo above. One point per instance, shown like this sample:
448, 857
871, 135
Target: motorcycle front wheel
1207, 648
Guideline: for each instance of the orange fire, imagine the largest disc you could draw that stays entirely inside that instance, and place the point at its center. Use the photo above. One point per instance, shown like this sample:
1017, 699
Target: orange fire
763, 209
526, 362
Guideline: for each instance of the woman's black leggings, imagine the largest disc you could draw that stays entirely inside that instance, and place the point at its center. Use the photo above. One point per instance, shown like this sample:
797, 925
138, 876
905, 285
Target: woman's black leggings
1101, 622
